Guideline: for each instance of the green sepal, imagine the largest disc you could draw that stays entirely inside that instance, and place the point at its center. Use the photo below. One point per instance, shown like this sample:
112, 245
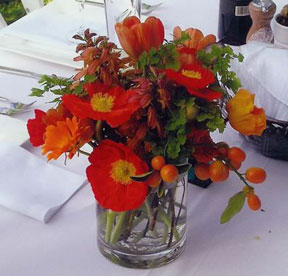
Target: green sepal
141, 177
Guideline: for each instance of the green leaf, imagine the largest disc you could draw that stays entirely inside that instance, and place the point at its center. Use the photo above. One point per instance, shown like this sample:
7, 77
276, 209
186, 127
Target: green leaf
234, 206
178, 119
35, 92
90, 78
141, 177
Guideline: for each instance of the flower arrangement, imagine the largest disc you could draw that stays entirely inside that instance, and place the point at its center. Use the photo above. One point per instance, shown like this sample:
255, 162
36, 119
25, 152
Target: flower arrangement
147, 116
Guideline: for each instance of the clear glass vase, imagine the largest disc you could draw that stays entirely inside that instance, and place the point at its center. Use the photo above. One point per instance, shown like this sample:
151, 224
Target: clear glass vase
150, 236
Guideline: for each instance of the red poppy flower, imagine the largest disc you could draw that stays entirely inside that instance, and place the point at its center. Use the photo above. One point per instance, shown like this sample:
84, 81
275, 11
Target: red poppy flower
206, 93
191, 76
112, 164
36, 128
104, 103
205, 150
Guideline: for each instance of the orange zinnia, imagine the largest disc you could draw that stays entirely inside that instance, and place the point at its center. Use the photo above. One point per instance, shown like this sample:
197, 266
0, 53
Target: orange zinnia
244, 116
37, 126
136, 37
66, 136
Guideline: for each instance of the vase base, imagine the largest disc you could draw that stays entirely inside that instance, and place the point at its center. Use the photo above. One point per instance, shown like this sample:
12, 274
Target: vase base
142, 260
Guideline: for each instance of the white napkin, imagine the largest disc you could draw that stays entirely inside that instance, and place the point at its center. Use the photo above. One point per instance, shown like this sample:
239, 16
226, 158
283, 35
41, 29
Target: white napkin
264, 72
33, 187
12, 130
46, 33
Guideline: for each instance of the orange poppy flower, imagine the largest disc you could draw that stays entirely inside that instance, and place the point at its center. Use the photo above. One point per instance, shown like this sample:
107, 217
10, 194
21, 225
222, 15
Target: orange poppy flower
66, 136
136, 37
244, 116
187, 56
112, 164
111, 104
197, 40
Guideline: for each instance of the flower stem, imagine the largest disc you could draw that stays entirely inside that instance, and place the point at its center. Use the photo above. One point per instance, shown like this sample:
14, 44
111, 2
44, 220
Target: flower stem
83, 152
109, 225
98, 130
118, 227
172, 206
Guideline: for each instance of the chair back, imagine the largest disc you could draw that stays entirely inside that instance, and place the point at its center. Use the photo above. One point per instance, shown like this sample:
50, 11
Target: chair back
2, 22
31, 5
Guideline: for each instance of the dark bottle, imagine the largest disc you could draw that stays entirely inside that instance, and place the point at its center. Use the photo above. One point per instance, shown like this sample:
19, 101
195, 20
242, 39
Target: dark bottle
234, 21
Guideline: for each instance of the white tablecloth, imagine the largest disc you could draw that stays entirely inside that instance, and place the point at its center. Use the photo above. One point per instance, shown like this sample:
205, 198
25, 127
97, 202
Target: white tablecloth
251, 244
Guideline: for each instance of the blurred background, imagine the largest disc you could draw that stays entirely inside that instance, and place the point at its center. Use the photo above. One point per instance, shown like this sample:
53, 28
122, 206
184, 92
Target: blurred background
12, 10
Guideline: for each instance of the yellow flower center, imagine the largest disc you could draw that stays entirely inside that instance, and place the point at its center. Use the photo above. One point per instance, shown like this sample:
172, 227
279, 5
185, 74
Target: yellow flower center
102, 102
192, 74
121, 171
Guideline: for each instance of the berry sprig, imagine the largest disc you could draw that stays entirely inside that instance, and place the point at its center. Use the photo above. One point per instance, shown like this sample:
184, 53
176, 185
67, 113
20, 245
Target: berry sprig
231, 159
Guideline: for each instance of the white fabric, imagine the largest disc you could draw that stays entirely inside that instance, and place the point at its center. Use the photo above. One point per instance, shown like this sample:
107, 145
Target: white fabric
31, 186
13, 130
264, 72
252, 244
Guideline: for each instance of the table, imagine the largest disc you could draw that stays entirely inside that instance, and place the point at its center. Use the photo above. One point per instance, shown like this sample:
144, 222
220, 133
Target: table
250, 244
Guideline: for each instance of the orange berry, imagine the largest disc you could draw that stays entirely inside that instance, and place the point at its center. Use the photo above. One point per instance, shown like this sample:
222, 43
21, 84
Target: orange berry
158, 162
236, 154
169, 173
254, 202
255, 175
154, 180
218, 171
236, 165
202, 171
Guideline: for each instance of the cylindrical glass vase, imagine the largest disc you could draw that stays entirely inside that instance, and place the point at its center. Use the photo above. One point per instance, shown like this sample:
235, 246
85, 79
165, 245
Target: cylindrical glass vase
150, 236
117, 11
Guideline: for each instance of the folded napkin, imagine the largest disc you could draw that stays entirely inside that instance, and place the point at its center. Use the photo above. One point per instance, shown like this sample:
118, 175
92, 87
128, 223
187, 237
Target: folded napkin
46, 34
264, 72
12, 130
33, 187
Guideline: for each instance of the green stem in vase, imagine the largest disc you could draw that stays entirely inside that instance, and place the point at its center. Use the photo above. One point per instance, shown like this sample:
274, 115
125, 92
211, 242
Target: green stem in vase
118, 227
109, 225
172, 206
182, 200
166, 219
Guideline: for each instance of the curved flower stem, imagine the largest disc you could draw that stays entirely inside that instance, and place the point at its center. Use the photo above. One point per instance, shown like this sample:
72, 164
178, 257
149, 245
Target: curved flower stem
148, 209
166, 219
118, 227
182, 200
98, 130
109, 225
